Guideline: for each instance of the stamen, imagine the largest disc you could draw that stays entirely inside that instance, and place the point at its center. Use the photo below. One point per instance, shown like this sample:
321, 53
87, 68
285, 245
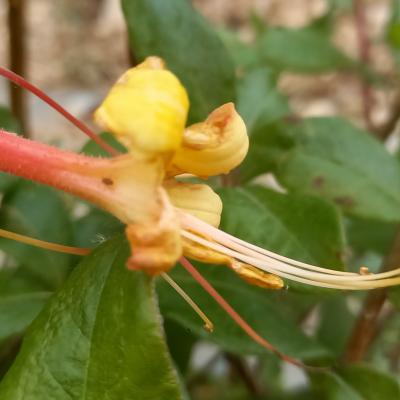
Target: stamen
289, 268
208, 325
273, 266
78, 251
228, 240
354, 282
20, 81
237, 318
261, 254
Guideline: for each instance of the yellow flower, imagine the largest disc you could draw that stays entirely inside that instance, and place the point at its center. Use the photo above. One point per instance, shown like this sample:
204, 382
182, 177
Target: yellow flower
146, 110
166, 217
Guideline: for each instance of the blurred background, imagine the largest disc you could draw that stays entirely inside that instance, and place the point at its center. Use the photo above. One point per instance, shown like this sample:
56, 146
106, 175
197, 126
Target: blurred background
75, 50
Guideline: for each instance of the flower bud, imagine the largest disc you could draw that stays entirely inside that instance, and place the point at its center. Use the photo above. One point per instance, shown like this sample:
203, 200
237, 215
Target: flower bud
214, 146
146, 109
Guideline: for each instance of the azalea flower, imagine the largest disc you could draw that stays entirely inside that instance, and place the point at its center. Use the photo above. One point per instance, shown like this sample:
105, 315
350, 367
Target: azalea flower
146, 110
165, 216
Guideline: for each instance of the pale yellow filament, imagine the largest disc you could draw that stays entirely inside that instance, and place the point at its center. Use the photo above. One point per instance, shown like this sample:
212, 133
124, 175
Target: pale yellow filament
79, 251
208, 325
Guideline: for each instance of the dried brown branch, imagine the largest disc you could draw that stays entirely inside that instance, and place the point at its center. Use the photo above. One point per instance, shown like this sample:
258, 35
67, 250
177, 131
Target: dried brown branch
368, 321
17, 55
241, 369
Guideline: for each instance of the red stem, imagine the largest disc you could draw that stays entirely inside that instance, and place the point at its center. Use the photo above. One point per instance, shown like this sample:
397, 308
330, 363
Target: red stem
236, 317
20, 81
17, 55
77, 174
39, 162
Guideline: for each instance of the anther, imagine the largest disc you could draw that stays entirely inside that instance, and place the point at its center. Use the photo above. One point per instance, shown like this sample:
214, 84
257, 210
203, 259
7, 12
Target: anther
364, 271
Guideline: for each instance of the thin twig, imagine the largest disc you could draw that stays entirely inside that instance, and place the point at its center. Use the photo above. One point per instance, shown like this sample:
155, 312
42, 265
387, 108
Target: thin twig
196, 377
17, 54
367, 323
241, 369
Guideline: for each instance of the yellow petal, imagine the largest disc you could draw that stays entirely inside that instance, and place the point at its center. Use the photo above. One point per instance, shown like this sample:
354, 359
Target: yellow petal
248, 273
146, 109
213, 147
196, 199
203, 254
256, 277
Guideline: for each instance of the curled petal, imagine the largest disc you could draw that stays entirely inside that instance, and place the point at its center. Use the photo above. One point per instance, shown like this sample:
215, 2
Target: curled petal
214, 146
246, 272
256, 277
146, 109
156, 245
196, 199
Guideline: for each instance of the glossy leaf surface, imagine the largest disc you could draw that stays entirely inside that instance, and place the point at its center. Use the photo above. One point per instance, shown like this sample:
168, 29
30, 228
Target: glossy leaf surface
98, 338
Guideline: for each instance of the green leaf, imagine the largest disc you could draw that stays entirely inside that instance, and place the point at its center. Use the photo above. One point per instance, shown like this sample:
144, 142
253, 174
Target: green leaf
394, 296
39, 212
357, 382
98, 338
22, 296
264, 311
244, 55
7, 181
18, 311
95, 228
301, 50
259, 101
335, 336
8, 121
91, 148
344, 164
365, 235
15, 280
173, 30
268, 144
297, 226
302, 227
180, 343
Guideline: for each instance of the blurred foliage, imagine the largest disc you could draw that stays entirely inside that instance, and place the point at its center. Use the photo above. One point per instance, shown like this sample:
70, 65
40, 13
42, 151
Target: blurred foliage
301, 50
94, 331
